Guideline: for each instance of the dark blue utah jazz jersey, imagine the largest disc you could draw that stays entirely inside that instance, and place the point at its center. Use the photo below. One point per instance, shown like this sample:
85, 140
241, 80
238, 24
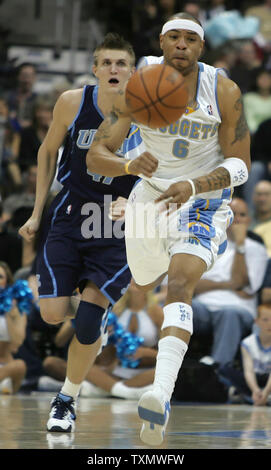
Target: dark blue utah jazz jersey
73, 173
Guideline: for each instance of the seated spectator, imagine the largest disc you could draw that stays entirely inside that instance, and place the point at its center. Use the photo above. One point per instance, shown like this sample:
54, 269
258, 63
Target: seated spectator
108, 377
40, 343
262, 212
225, 299
21, 100
252, 383
257, 102
12, 334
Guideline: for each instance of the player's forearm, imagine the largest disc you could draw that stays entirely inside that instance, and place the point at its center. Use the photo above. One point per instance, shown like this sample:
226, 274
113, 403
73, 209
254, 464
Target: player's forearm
217, 179
104, 162
45, 176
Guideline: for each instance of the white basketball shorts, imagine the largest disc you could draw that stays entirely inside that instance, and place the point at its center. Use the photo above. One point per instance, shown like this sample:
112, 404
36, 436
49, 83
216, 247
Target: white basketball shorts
152, 236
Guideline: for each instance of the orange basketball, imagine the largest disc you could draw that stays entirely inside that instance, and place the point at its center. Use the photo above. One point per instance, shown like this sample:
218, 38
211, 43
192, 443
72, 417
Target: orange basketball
156, 95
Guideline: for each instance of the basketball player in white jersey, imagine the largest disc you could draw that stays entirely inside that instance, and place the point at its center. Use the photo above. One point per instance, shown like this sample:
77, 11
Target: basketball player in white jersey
193, 164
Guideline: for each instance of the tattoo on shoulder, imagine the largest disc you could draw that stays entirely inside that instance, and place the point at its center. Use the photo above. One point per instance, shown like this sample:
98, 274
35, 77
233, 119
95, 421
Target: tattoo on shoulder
241, 128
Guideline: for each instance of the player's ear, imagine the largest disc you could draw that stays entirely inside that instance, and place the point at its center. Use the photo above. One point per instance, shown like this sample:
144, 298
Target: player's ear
94, 69
161, 39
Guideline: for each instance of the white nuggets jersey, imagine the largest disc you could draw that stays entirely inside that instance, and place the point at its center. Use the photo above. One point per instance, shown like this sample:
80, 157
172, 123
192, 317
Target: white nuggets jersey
188, 148
261, 356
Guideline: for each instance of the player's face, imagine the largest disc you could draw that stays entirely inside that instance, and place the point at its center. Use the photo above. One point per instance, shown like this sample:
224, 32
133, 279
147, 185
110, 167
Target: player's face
113, 69
181, 49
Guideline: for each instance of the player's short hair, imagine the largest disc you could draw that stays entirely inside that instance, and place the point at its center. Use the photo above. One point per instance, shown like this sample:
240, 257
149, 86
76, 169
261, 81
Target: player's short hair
115, 42
185, 16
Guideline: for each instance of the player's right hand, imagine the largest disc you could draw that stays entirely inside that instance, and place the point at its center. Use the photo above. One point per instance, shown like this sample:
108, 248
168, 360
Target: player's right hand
146, 164
29, 230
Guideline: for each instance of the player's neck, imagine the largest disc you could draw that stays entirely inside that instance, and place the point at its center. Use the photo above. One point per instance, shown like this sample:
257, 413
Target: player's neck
191, 79
105, 101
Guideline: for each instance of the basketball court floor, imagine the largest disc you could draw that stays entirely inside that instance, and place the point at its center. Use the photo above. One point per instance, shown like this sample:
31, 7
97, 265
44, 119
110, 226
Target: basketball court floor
105, 423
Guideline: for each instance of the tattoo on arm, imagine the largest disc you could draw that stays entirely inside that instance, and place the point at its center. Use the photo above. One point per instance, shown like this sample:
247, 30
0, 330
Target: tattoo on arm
103, 132
241, 128
218, 179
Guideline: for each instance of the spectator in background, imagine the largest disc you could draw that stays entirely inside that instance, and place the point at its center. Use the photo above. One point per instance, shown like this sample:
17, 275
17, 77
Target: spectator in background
21, 100
138, 313
26, 196
262, 212
10, 245
148, 18
265, 293
225, 58
257, 103
225, 299
261, 164
10, 177
32, 136
214, 8
42, 341
12, 334
263, 12
247, 65
253, 382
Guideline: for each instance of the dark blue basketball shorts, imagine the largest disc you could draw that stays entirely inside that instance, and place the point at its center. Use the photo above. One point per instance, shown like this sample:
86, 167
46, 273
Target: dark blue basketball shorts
76, 250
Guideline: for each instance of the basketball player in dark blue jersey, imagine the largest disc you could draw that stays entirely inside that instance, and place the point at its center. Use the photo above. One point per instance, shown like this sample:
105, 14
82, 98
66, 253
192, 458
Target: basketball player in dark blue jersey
74, 256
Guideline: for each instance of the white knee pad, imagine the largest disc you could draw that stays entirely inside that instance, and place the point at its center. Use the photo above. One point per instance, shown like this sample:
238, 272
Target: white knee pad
179, 315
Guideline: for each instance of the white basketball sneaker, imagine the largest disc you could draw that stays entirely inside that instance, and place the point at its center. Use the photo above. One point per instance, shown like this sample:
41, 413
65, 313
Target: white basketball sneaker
154, 410
62, 415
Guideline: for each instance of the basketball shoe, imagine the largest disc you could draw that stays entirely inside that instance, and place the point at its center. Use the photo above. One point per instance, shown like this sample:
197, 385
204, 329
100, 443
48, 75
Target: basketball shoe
154, 410
62, 415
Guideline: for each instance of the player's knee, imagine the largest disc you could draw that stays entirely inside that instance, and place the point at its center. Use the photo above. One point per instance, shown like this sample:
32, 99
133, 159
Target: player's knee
53, 318
88, 322
50, 313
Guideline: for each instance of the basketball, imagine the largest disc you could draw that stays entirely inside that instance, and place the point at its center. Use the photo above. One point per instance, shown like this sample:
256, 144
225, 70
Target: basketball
156, 95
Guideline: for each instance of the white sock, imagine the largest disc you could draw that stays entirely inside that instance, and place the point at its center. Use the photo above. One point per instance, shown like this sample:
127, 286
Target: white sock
171, 352
70, 389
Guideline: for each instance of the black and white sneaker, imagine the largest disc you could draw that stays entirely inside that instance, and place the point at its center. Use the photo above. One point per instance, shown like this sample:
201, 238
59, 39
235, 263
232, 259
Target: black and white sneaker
62, 415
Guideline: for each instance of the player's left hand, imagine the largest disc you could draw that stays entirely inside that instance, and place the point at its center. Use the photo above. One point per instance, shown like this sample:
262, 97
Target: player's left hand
177, 193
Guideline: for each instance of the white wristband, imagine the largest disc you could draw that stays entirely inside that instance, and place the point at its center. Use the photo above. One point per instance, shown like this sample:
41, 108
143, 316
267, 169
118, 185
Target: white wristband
237, 169
193, 187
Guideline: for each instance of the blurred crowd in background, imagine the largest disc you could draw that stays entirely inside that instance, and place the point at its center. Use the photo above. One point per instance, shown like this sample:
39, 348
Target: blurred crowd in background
237, 39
